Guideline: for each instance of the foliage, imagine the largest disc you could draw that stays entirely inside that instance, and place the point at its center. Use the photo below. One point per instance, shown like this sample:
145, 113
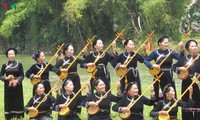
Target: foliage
37, 24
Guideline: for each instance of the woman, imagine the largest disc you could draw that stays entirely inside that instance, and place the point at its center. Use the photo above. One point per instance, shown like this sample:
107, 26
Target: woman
191, 46
45, 108
104, 105
12, 75
33, 71
122, 59
68, 52
64, 99
168, 101
158, 55
129, 98
101, 65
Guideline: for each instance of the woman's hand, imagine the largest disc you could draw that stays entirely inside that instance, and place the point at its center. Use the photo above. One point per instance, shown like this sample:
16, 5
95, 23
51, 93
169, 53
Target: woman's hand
152, 89
31, 109
122, 66
85, 51
92, 103
114, 47
36, 77
144, 47
114, 44
182, 69
181, 45
62, 105
9, 77
56, 89
155, 66
190, 92
14, 83
64, 70
90, 64
162, 112
119, 92
124, 109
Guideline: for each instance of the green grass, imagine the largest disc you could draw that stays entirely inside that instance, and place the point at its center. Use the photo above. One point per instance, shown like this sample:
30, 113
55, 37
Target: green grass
27, 61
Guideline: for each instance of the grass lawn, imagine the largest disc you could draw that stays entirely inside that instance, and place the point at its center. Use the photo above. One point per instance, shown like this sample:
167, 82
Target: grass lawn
27, 61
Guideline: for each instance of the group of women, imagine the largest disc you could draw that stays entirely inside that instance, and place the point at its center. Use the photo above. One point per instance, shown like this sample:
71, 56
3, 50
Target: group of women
129, 98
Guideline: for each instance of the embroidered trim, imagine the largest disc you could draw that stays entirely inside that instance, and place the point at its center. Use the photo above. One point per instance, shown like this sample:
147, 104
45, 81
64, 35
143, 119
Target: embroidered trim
18, 112
167, 105
65, 62
98, 55
131, 101
9, 66
40, 68
161, 55
37, 100
100, 96
67, 96
127, 57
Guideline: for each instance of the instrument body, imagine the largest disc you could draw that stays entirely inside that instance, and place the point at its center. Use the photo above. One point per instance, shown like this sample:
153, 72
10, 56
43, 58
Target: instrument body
155, 71
33, 114
91, 69
121, 72
64, 111
183, 75
92, 110
34, 81
125, 115
164, 117
63, 74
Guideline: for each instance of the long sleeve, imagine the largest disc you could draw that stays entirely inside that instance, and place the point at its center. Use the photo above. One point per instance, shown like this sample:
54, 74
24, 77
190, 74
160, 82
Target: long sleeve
140, 58
148, 59
54, 69
29, 104
59, 63
116, 62
84, 103
118, 105
21, 77
179, 63
81, 62
57, 102
155, 112
30, 73
2, 77
112, 55
148, 101
184, 104
176, 55
114, 98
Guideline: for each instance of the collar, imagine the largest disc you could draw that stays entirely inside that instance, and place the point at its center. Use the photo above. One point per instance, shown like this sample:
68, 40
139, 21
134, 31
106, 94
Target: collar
127, 53
9, 62
160, 50
96, 53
